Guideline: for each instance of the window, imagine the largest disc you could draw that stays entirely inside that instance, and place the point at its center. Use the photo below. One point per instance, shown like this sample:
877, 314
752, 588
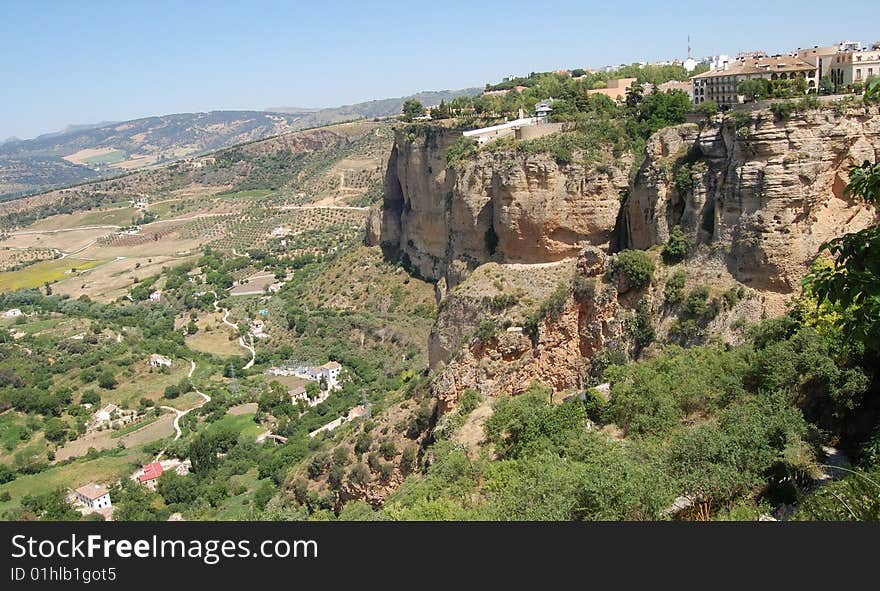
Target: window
858, 73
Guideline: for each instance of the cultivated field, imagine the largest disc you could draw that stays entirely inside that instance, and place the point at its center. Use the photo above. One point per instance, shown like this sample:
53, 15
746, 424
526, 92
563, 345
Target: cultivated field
40, 273
101, 440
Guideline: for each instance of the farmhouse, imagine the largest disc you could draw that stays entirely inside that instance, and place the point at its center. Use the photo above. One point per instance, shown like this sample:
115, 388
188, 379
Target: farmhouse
256, 329
330, 371
156, 296
93, 496
12, 313
106, 414
151, 474
157, 360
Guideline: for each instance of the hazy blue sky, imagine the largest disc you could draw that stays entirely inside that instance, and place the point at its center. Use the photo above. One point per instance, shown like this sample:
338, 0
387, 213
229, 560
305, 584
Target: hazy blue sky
67, 62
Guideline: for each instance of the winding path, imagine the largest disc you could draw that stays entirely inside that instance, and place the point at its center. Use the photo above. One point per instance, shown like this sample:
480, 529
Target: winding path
182, 413
241, 340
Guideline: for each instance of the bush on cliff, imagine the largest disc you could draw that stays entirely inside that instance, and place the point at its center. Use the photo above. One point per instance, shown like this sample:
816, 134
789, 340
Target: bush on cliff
636, 266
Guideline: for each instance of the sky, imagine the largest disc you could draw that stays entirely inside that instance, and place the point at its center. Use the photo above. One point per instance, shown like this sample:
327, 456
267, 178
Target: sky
81, 61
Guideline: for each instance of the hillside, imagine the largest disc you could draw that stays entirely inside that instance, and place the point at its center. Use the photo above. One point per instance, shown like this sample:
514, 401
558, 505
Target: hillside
85, 152
377, 108
587, 326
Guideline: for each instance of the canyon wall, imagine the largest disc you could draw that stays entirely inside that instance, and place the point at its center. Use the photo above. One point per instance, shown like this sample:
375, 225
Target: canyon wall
764, 194
756, 197
442, 219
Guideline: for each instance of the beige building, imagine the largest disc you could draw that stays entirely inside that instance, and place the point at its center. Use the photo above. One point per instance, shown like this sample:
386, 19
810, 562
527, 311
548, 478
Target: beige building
722, 86
819, 57
616, 88
854, 67
677, 85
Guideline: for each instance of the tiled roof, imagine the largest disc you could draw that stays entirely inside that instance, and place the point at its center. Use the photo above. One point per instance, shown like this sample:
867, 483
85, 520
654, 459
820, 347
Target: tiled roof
760, 65
92, 491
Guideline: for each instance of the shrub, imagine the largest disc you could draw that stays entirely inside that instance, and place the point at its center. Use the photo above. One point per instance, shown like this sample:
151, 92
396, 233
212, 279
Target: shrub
674, 291
408, 458
675, 249
583, 288
707, 109
318, 464
359, 474
486, 330
636, 266
731, 297
594, 404
783, 109
341, 456
641, 327
388, 449
363, 443
696, 304
462, 150
334, 477
90, 397
684, 180
386, 470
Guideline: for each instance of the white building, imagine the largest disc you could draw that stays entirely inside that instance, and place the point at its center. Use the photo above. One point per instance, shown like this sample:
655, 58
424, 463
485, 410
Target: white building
543, 109
156, 296
12, 313
330, 371
689, 64
106, 414
157, 360
494, 132
256, 329
93, 496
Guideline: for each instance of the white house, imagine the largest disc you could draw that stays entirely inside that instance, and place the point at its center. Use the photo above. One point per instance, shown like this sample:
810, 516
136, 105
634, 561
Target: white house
156, 296
330, 371
256, 329
105, 414
12, 313
93, 496
156, 360
544, 108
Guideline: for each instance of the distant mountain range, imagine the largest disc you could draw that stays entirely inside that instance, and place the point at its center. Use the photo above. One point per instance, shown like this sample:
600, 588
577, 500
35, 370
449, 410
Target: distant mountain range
83, 152
377, 108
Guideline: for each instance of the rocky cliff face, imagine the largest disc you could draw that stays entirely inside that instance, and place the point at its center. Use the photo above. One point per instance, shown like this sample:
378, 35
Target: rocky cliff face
765, 195
756, 198
559, 354
444, 219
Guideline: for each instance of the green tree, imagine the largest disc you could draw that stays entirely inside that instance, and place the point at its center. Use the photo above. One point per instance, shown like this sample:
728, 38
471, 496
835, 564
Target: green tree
675, 249
851, 284
412, 108
707, 109
635, 266
107, 380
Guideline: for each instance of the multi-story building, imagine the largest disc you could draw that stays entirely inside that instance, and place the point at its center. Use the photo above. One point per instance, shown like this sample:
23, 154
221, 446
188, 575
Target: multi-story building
722, 85
93, 496
820, 57
854, 67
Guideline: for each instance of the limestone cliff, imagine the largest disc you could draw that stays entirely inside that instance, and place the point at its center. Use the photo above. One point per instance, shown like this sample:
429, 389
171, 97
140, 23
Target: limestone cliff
756, 196
444, 219
764, 193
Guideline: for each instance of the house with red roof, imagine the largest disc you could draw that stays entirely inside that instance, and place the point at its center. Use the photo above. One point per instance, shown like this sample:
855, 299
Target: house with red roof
150, 477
